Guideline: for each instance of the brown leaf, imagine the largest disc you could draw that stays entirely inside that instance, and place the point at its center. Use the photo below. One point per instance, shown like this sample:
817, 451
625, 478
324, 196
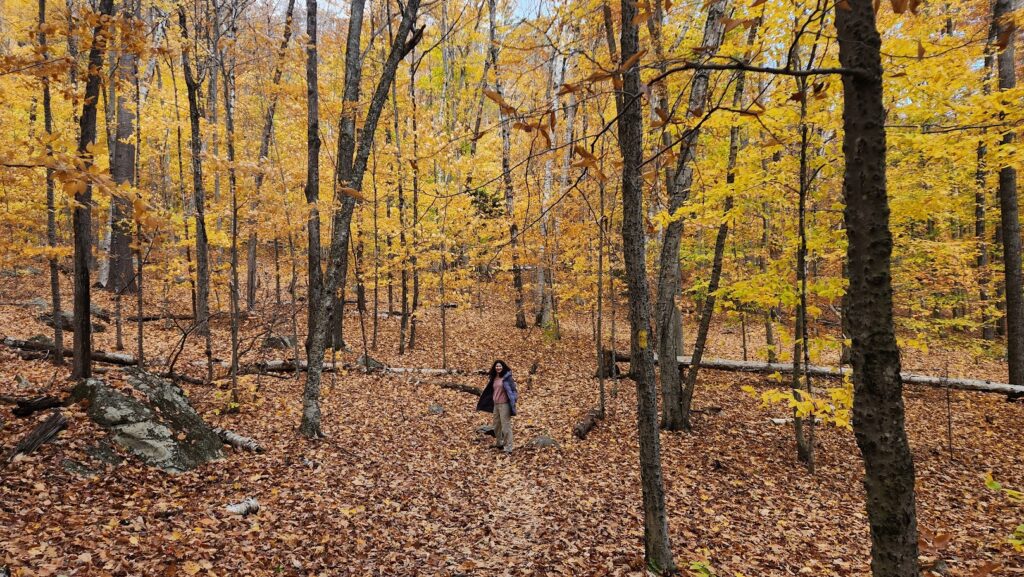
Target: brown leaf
731, 23
844, 5
632, 60
1003, 40
920, 50
986, 569
544, 132
899, 6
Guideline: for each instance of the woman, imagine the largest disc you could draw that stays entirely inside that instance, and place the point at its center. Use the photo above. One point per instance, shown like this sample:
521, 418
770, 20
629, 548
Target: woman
500, 396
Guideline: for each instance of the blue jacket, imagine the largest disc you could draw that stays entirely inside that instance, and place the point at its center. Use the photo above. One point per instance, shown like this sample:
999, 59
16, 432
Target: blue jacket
486, 402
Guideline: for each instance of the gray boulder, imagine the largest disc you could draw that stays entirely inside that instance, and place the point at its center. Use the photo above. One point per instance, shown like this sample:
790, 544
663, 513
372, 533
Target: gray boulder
163, 429
543, 441
435, 409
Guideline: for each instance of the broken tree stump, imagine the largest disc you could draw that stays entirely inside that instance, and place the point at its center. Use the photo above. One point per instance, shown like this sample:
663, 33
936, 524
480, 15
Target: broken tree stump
43, 433
583, 428
26, 407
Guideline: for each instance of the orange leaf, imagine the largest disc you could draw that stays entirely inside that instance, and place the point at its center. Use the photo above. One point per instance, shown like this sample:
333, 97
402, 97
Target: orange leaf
349, 191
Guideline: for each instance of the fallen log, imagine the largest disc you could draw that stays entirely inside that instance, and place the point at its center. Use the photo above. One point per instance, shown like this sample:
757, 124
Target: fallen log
101, 356
25, 407
278, 366
237, 441
151, 318
120, 359
983, 386
583, 428
43, 433
418, 370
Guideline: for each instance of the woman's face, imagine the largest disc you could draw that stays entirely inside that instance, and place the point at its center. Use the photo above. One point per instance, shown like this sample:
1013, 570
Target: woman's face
499, 368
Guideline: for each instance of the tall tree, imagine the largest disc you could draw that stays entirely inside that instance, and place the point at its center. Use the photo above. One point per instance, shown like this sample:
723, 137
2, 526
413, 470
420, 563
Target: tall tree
121, 277
1008, 202
193, 83
708, 307
227, 67
265, 135
674, 399
878, 413
315, 283
352, 162
506, 172
81, 216
657, 549
51, 211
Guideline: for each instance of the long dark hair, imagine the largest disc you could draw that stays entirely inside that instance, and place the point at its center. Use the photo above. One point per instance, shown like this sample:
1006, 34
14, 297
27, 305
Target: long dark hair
494, 369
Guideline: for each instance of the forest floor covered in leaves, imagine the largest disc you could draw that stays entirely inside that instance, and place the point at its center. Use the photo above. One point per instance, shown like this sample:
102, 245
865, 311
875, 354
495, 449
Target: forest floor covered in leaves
397, 490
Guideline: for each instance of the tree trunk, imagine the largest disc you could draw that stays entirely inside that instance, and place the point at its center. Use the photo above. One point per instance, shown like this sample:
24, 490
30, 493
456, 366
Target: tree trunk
657, 550
506, 174
51, 211
227, 69
265, 136
81, 216
120, 276
415, 305
192, 85
673, 416
349, 181
1010, 214
708, 308
316, 317
878, 412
